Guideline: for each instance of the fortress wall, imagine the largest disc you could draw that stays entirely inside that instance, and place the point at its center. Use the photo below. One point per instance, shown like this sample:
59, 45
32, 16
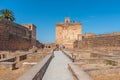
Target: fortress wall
4, 37
14, 42
18, 43
14, 36
107, 42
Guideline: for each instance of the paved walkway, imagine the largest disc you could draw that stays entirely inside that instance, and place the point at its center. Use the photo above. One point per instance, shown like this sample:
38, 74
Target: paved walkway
58, 68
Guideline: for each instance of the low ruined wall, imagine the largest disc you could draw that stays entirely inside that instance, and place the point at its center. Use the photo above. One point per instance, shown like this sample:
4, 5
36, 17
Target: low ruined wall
78, 73
97, 55
77, 56
3, 55
107, 41
99, 61
21, 57
8, 65
8, 59
37, 72
93, 61
103, 71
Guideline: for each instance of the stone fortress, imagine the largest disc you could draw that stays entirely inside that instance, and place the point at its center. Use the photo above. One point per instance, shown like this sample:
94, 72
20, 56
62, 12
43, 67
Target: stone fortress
67, 33
16, 37
107, 42
18, 49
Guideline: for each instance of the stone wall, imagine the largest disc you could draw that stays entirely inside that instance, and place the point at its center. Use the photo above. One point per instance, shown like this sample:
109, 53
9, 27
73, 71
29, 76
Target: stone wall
32, 29
101, 42
7, 65
104, 73
37, 71
78, 73
21, 57
49, 45
39, 45
14, 36
8, 59
18, 43
93, 61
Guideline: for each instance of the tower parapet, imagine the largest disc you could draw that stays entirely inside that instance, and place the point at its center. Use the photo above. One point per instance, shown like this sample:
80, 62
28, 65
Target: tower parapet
67, 20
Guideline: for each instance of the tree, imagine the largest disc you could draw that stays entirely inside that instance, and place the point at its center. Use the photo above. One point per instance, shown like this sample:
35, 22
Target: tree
5, 13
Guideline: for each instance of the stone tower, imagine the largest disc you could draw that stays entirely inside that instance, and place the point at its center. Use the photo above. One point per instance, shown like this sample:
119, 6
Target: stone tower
32, 29
68, 32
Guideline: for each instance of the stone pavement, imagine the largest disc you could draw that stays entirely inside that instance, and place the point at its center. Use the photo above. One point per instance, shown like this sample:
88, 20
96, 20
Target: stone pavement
58, 68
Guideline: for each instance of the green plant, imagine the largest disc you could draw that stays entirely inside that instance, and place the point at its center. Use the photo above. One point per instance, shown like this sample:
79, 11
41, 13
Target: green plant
110, 62
5, 13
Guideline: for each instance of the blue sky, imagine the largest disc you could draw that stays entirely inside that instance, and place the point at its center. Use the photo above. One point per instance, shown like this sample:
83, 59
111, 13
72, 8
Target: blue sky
96, 16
